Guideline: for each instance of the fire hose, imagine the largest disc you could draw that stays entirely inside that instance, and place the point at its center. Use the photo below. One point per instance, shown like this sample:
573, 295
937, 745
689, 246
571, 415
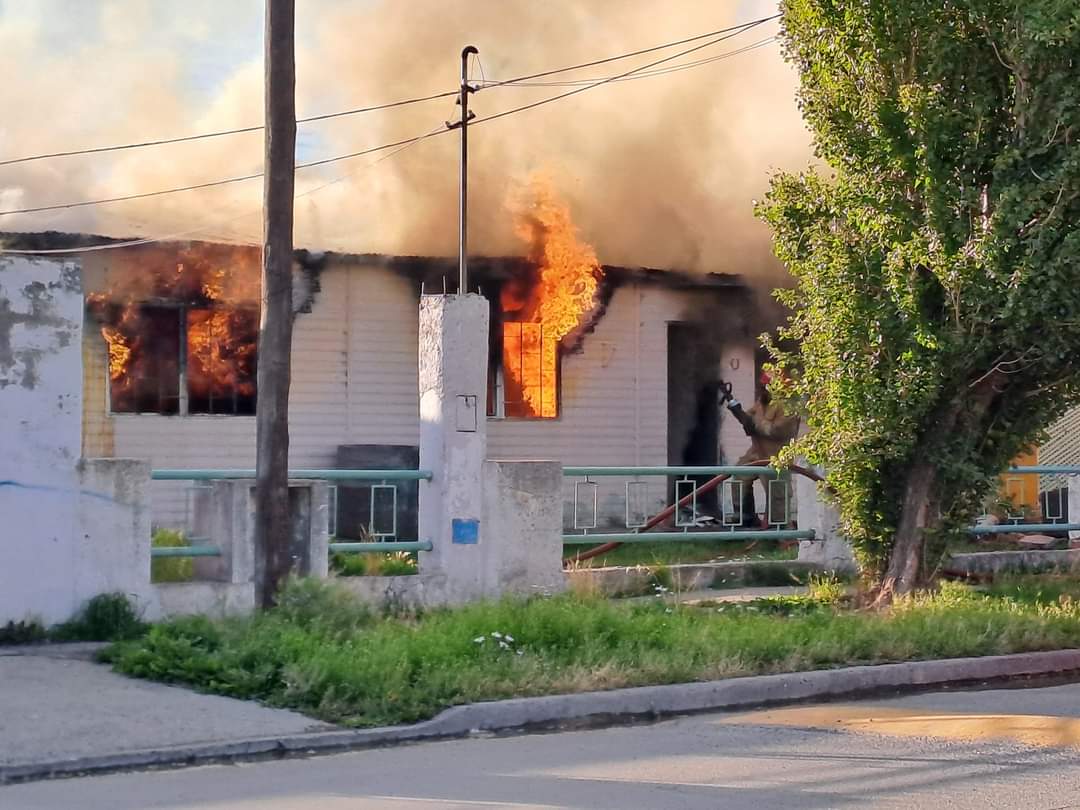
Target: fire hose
663, 515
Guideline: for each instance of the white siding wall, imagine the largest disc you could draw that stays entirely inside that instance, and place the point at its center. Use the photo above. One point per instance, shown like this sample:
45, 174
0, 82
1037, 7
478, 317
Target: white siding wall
613, 407
353, 381
383, 398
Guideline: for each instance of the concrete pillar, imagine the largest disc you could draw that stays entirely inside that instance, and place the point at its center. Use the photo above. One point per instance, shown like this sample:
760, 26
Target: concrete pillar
227, 520
112, 545
317, 538
453, 360
224, 518
521, 541
829, 549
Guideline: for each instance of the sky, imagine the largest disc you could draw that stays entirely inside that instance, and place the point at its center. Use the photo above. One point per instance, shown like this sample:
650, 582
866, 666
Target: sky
660, 171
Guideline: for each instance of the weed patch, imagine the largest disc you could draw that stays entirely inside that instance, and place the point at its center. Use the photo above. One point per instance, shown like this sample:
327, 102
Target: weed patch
107, 617
323, 653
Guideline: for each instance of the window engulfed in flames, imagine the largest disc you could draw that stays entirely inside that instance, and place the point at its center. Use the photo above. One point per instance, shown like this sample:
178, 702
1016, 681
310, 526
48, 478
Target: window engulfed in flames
181, 326
539, 315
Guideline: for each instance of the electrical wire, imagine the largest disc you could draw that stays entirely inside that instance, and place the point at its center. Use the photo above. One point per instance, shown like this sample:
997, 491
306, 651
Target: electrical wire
238, 131
203, 228
730, 29
405, 141
659, 72
390, 105
610, 79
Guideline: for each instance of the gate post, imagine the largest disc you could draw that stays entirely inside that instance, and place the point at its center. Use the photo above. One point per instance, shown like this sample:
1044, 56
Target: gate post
829, 549
453, 361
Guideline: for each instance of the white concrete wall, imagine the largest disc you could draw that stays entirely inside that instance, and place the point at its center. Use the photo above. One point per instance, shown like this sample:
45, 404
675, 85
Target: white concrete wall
40, 413
71, 529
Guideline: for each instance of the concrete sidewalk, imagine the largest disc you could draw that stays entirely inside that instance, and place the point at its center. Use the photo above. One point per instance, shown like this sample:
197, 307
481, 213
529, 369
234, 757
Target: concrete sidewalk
61, 714
57, 705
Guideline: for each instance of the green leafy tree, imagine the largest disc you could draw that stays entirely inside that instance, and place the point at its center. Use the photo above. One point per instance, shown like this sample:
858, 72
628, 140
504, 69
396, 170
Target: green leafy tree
936, 259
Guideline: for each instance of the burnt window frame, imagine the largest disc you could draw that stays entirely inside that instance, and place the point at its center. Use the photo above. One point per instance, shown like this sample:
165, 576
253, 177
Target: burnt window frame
495, 395
182, 310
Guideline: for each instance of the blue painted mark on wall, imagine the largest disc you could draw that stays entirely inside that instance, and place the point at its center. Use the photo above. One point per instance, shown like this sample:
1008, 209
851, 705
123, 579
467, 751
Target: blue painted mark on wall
464, 531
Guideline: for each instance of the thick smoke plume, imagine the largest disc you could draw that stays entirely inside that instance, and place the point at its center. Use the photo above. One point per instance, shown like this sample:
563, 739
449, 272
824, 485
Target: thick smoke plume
660, 171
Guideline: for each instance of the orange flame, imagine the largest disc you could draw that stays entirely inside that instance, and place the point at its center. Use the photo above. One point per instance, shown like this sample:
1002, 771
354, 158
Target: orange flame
218, 285
565, 292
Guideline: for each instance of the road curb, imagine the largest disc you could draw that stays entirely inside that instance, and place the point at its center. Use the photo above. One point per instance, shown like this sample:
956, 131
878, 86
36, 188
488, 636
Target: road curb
584, 709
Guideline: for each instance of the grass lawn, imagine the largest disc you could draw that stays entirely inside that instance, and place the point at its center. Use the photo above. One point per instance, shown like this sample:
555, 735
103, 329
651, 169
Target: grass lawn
323, 653
630, 554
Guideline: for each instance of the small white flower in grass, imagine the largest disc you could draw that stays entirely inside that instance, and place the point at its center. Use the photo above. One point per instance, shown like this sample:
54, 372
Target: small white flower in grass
520, 652
496, 634
479, 640
503, 645
668, 610
510, 639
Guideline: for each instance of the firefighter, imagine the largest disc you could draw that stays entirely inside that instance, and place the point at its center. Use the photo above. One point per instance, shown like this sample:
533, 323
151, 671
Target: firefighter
769, 429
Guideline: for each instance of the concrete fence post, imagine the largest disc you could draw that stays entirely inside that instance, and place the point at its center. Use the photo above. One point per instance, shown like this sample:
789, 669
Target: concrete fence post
229, 527
112, 548
829, 550
522, 537
453, 342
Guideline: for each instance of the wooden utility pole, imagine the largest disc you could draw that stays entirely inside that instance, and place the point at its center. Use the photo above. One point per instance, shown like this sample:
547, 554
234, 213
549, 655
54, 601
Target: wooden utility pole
272, 513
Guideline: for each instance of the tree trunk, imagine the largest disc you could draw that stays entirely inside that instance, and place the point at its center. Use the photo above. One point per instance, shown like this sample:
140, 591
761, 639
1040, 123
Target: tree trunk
272, 513
920, 511
902, 573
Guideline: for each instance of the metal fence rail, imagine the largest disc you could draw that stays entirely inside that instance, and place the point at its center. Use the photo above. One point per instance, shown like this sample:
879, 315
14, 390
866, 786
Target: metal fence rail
1054, 519
185, 551
380, 547
641, 517
384, 493
295, 475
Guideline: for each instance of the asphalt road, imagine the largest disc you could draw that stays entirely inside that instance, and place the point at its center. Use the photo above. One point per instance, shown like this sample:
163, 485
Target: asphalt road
993, 749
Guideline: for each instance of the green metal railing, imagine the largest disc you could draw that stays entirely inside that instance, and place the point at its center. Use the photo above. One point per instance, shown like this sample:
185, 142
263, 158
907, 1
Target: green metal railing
185, 551
591, 472
380, 547
643, 528
295, 475
1012, 528
205, 550
681, 537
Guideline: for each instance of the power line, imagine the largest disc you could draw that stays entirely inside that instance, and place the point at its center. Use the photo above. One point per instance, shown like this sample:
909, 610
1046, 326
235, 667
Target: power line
650, 73
390, 105
238, 131
609, 79
214, 183
406, 141
746, 26
202, 228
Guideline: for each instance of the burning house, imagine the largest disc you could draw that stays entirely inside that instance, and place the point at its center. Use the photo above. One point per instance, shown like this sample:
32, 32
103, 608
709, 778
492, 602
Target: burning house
588, 364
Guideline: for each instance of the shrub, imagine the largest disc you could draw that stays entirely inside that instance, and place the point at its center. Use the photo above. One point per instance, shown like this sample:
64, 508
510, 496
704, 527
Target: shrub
106, 617
353, 564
